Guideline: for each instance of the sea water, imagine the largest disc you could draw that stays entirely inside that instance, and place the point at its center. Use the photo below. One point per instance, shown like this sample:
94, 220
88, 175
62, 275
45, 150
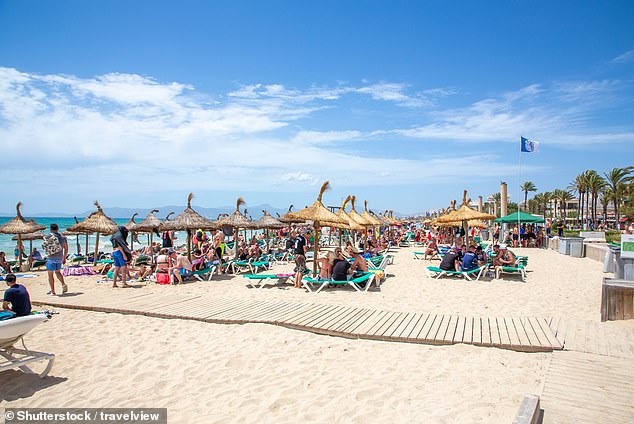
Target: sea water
75, 243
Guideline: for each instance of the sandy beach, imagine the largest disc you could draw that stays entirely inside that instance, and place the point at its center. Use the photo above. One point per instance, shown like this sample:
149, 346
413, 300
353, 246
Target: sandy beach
262, 373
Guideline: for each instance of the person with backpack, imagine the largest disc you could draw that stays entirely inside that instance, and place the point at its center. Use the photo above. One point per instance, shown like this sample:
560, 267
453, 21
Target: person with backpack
56, 247
121, 255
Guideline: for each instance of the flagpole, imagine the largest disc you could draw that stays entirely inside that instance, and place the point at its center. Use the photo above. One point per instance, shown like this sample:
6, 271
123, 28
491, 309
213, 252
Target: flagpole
520, 192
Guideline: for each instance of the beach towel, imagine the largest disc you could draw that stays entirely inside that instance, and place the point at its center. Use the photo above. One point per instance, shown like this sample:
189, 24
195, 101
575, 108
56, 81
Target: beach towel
78, 270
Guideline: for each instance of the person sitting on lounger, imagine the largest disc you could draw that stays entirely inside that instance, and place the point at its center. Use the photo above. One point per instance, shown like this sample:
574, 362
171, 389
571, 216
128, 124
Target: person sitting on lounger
482, 256
359, 266
254, 251
4, 264
340, 266
431, 248
198, 260
450, 261
325, 265
34, 256
16, 298
180, 266
469, 260
504, 258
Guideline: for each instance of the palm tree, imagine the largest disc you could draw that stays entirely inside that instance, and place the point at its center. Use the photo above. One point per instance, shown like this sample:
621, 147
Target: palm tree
548, 197
579, 185
564, 196
526, 187
607, 195
616, 180
596, 183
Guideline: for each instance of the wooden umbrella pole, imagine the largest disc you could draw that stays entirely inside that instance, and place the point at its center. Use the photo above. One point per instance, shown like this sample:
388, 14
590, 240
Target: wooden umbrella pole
316, 249
20, 251
86, 248
235, 242
94, 259
189, 245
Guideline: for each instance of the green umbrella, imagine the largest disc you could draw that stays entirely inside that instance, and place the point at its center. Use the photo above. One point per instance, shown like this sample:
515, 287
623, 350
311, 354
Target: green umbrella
523, 218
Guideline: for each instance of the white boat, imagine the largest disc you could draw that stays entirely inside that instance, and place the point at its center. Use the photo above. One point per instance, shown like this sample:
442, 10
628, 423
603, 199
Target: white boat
13, 330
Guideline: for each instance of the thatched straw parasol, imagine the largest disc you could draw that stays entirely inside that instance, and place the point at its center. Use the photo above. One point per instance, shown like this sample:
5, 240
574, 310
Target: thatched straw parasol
355, 215
20, 226
131, 226
267, 221
38, 235
76, 234
97, 222
289, 218
149, 225
320, 216
464, 214
351, 223
237, 221
189, 220
368, 217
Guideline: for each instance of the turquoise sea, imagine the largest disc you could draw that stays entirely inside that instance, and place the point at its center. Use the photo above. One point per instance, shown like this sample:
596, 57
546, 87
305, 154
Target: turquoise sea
7, 245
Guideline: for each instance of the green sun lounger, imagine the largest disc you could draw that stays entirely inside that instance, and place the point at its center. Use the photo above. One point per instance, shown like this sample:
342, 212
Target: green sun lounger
435, 272
367, 278
518, 269
260, 280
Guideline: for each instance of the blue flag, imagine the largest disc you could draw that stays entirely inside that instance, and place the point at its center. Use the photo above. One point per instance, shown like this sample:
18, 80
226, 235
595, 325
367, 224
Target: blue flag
528, 146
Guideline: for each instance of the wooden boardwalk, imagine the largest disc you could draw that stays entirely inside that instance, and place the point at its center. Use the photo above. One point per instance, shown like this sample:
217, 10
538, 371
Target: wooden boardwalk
524, 334
588, 388
594, 337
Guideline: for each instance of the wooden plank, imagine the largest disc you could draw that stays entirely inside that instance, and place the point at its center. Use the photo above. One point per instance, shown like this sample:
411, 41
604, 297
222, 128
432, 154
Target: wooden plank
505, 340
477, 331
521, 333
495, 332
398, 325
459, 334
571, 334
240, 311
406, 325
351, 328
334, 317
369, 323
530, 333
303, 313
315, 315
383, 324
486, 331
537, 329
550, 336
418, 327
451, 329
385, 332
512, 333
358, 316
285, 312
270, 315
344, 316
433, 331
602, 343
468, 330
529, 411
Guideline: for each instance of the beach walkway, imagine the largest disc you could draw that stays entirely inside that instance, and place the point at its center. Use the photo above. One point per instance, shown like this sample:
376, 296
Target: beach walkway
525, 334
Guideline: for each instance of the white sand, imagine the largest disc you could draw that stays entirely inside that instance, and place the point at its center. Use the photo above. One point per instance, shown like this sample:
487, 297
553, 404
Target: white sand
260, 373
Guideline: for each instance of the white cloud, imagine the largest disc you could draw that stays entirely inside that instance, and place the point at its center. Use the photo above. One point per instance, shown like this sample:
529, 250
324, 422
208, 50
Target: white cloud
321, 137
628, 56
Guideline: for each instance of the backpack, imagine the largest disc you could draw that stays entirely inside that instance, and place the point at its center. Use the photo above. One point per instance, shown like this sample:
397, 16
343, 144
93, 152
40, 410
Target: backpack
51, 244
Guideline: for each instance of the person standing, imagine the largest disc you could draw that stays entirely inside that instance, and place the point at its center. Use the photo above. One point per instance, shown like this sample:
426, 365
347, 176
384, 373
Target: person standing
168, 238
56, 247
121, 256
299, 252
560, 229
16, 296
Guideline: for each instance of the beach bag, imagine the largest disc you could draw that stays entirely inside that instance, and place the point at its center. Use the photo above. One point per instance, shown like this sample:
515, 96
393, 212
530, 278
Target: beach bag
51, 245
162, 278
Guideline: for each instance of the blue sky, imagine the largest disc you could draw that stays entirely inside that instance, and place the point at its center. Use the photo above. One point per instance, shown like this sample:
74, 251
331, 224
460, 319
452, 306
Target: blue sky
401, 103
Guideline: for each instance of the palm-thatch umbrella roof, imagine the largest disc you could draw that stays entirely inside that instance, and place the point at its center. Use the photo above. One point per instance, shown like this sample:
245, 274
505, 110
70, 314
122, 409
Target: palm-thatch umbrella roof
320, 216
289, 218
356, 216
464, 213
189, 219
150, 223
20, 225
96, 222
351, 223
38, 235
368, 217
131, 224
318, 213
237, 219
267, 221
